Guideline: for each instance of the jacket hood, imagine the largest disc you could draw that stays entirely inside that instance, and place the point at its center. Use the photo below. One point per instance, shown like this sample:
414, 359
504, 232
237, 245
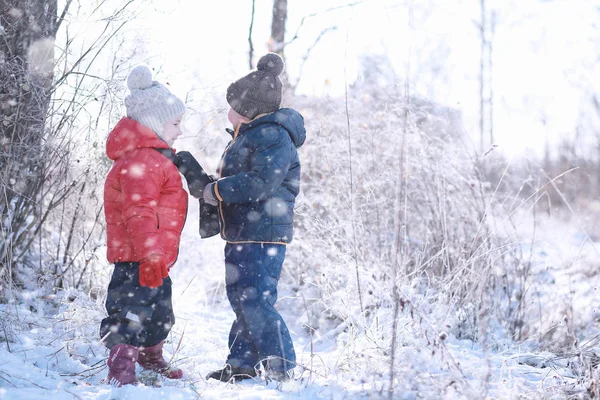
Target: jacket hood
129, 135
289, 119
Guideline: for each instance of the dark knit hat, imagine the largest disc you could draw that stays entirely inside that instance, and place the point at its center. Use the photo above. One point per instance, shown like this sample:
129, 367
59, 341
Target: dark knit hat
259, 92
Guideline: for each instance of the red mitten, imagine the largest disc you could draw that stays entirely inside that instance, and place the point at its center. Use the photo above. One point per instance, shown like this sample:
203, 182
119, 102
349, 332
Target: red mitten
152, 271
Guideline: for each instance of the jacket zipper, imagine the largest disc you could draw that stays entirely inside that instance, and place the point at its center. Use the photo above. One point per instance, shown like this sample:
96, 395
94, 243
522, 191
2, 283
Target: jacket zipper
235, 135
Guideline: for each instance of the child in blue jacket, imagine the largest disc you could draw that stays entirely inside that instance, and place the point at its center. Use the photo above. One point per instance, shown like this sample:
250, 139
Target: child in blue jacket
258, 181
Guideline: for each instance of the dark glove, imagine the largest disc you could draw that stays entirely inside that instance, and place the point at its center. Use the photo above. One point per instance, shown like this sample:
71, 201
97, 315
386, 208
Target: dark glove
194, 174
197, 179
209, 220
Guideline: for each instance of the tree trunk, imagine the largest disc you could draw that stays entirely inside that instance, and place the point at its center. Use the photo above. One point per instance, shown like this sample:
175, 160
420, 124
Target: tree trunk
482, 30
250, 43
277, 42
27, 33
490, 77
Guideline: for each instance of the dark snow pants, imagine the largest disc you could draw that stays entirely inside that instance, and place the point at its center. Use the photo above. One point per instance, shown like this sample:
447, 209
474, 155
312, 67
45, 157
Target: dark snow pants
139, 316
258, 333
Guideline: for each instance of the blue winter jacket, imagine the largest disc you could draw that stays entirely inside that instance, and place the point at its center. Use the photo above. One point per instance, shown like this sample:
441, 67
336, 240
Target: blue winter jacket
259, 179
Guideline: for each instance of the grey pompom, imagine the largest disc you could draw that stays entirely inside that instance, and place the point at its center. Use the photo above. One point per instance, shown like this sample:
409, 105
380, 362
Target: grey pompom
271, 62
139, 78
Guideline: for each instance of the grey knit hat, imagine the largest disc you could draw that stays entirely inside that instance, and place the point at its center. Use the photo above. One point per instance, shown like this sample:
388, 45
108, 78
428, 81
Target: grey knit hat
150, 103
259, 92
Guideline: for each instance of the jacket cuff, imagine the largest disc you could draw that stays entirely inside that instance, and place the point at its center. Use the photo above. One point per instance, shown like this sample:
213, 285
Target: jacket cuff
215, 190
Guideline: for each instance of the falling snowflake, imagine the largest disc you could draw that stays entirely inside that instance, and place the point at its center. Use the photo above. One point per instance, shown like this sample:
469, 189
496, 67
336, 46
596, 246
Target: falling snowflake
276, 207
137, 170
40, 57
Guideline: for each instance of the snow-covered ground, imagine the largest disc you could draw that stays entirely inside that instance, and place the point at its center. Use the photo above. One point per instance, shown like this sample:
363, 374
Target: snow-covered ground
49, 346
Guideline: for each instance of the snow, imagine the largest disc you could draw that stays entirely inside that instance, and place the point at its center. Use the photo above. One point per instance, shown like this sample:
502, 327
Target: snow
54, 350
49, 344
40, 56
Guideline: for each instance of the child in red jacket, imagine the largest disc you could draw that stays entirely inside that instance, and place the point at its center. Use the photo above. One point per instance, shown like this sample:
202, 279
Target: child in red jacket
145, 207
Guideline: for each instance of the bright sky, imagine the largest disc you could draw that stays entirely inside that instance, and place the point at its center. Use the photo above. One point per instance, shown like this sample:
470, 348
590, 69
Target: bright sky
545, 53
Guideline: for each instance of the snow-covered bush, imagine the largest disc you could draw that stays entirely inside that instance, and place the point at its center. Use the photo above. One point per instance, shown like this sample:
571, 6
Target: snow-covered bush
396, 223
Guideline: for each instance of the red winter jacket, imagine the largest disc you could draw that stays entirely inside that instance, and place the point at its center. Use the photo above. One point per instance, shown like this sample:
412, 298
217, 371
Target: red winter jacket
144, 201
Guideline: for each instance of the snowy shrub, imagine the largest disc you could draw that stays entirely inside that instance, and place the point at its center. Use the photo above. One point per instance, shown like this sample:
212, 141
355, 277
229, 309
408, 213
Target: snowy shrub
395, 219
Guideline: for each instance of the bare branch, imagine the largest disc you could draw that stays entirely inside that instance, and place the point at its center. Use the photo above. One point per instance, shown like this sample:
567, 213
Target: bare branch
62, 16
250, 44
310, 49
305, 18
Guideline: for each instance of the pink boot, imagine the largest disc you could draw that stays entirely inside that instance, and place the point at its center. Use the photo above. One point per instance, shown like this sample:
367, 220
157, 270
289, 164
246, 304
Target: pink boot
121, 364
151, 358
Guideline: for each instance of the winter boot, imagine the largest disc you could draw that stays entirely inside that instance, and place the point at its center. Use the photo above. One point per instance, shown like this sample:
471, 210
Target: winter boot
229, 373
151, 358
121, 365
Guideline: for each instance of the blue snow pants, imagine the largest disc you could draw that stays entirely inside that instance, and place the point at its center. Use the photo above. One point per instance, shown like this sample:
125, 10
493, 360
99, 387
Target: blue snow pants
137, 315
258, 333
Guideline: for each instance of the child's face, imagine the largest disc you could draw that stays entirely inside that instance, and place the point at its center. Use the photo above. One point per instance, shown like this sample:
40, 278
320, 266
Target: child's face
236, 118
172, 130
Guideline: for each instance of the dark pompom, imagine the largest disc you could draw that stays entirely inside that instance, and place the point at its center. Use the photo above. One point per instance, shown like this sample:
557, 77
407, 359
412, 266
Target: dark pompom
271, 62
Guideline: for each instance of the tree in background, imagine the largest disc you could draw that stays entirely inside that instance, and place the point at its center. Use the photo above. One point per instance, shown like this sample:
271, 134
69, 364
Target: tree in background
27, 33
53, 97
277, 39
487, 27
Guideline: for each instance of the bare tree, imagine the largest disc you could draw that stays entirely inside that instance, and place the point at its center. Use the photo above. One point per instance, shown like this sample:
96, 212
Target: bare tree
278, 43
250, 43
27, 32
482, 30
486, 91
42, 96
277, 40
491, 76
